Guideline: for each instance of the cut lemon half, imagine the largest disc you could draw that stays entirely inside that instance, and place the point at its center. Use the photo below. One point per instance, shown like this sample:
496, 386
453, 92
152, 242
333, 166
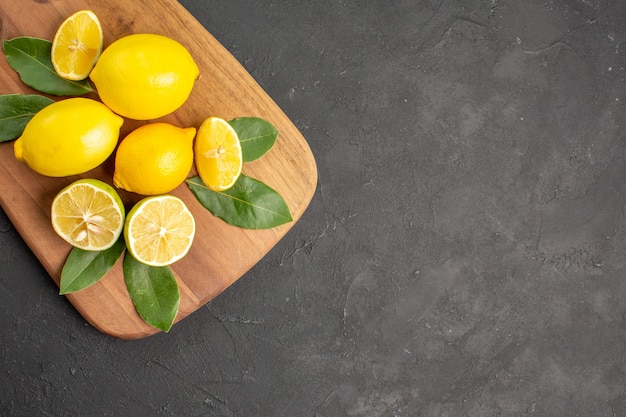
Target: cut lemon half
159, 230
77, 45
217, 154
88, 214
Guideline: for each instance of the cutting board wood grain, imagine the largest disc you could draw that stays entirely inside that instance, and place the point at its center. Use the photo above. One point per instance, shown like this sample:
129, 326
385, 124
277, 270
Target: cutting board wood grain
221, 253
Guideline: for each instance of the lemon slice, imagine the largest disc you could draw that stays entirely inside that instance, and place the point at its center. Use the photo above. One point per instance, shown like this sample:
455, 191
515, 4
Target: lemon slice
217, 154
88, 214
77, 45
159, 230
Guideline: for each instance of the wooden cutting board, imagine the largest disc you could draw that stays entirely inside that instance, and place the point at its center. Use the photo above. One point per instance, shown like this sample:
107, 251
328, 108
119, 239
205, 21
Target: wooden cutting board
221, 253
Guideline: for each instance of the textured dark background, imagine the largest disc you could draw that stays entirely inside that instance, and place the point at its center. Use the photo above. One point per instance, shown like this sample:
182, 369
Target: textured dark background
464, 254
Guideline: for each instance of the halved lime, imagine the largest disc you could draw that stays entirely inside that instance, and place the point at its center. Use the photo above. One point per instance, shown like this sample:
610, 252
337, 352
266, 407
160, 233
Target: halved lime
159, 230
88, 214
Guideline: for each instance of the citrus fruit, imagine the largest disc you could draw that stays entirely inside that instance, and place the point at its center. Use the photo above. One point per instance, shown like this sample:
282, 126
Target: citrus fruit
76, 46
144, 76
154, 158
68, 137
217, 153
88, 214
159, 230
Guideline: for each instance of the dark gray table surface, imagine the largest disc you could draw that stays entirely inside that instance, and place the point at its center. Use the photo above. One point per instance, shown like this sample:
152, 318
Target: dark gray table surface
464, 254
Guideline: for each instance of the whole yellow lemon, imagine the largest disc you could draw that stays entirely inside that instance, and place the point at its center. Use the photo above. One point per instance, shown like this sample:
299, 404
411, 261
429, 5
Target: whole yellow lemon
154, 158
68, 137
144, 76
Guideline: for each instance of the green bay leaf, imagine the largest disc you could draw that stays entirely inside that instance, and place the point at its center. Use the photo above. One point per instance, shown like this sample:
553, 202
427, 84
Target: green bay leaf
15, 112
30, 58
154, 292
249, 204
84, 268
256, 135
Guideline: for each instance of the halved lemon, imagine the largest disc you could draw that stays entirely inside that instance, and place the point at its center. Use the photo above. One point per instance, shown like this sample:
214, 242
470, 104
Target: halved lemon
77, 45
88, 214
159, 230
217, 154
